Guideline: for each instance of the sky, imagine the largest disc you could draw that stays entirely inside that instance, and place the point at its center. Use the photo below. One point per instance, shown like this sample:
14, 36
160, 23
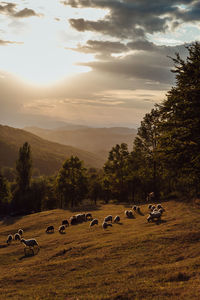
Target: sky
98, 63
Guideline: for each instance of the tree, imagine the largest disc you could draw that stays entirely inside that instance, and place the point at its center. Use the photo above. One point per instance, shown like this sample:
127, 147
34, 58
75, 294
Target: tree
21, 199
179, 130
5, 194
116, 171
71, 182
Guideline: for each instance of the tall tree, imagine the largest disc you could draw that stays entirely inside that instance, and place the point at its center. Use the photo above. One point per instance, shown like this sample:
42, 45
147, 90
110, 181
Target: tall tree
72, 182
116, 171
180, 126
5, 194
21, 199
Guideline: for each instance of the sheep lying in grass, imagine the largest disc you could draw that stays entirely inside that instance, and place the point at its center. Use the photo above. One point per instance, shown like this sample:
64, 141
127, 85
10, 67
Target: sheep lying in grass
61, 229
17, 237
9, 239
20, 231
94, 222
30, 245
65, 222
117, 219
50, 229
108, 219
105, 225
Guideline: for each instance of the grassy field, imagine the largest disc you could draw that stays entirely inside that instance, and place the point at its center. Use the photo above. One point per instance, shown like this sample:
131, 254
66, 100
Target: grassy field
131, 260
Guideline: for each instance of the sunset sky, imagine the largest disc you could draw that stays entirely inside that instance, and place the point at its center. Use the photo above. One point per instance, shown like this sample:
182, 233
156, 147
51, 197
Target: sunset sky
91, 62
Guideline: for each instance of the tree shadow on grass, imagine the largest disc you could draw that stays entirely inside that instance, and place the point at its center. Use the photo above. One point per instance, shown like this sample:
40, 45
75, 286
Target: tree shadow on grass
11, 220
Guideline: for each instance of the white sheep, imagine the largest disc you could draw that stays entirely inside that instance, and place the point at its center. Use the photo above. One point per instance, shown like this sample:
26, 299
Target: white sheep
134, 207
9, 239
94, 222
61, 229
105, 225
117, 219
17, 237
20, 231
88, 216
65, 222
126, 213
108, 219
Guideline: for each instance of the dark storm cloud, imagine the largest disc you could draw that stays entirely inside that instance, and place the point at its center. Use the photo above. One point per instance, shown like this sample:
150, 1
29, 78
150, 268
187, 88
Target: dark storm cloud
10, 10
134, 18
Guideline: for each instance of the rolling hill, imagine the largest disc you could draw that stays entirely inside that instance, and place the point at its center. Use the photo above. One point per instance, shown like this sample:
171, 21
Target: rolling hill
130, 260
47, 156
95, 140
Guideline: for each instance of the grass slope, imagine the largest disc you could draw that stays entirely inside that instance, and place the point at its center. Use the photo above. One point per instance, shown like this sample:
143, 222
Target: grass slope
134, 260
47, 156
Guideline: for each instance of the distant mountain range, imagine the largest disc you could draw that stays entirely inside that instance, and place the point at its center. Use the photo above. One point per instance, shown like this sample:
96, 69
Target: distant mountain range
96, 140
48, 156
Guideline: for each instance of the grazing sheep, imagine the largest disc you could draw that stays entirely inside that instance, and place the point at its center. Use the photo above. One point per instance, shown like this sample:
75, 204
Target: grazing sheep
20, 231
88, 216
17, 237
161, 210
80, 218
61, 229
149, 206
126, 213
134, 207
153, 207
108, 219
117, 219
105, 225
50, 229
154, 215
65, 222
129, 214
94, 222
73, 220
30, 243
9, 239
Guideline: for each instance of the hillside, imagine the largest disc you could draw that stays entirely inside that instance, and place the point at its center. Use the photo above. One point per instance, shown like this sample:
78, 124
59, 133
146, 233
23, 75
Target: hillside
47, 156
131, 260
96, 140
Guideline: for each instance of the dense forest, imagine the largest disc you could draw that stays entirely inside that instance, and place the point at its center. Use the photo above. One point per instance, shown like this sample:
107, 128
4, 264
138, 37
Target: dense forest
165, 158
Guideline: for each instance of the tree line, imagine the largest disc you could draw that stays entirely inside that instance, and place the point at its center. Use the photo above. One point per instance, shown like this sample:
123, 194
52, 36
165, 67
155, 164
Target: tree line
165, 157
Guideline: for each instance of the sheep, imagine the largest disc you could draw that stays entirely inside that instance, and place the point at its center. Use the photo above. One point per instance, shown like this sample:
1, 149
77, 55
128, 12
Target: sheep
20, 231
73, 220
17, 237
9, 239
134, 207
161, 210
108, 219
150, 206
65, 222
61, 229
117, 219
153, 207
80, 218
50, 229
105, 225
154, 215
94, 222
126, 213
30, 244
88, 216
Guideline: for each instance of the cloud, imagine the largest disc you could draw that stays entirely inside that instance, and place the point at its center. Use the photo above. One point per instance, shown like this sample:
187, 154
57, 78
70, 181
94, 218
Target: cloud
26, 13
6, 43
10, 10
131, 19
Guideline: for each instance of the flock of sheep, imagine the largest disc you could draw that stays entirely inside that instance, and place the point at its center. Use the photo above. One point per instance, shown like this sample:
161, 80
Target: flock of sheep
155, 213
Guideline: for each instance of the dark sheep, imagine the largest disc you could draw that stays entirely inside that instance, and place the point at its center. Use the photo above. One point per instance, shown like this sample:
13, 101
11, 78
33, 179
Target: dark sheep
50, 229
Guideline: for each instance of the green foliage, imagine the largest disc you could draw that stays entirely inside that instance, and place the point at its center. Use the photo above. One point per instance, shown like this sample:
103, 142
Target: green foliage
71, 182
5, 194
116, 171
24, 167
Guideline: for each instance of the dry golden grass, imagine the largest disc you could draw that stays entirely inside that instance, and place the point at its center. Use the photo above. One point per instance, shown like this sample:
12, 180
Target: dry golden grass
134, 260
